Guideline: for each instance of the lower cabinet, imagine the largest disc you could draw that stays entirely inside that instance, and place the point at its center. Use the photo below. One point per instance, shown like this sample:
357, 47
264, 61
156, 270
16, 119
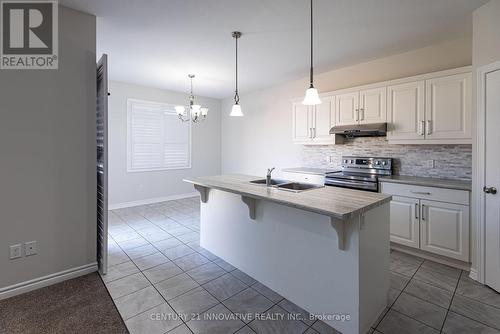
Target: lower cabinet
444, 229
430, 225
405, 227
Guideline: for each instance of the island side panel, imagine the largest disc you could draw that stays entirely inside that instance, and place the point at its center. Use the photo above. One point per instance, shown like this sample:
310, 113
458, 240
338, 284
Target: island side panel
374, 265
292, 251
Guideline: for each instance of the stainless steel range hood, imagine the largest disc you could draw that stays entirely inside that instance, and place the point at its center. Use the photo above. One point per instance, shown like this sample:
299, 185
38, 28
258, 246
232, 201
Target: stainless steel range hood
360, 130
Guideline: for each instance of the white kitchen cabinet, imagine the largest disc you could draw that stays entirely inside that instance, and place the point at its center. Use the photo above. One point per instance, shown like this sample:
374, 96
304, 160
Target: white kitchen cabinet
432, 108
437, 109
347, 108
323, 120
404, 222
444, 229
406, 105
372, 105
302, 123
432, 219
312, 124
448, 107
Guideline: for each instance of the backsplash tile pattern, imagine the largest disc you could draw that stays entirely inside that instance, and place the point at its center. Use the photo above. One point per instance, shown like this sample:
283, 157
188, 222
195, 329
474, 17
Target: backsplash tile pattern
451, 161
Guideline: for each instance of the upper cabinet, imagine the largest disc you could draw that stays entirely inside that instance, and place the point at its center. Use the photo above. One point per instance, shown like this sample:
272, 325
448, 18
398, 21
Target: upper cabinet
361, 106
312, 124
302, 122
372, 105
434, 108
448, 107
347, 108
406, 103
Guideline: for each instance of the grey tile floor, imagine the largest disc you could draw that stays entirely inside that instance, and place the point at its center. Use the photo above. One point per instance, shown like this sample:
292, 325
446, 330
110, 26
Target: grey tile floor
162, 281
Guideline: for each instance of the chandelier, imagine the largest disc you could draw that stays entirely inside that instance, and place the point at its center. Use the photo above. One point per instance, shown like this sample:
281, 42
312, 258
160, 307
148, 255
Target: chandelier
197, 113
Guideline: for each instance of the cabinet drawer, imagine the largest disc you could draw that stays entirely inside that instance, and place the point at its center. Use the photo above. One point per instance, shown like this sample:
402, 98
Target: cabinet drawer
304, 177
427, 193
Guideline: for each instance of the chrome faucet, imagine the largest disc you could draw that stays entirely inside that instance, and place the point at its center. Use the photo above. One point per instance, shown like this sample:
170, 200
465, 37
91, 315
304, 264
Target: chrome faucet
268, 176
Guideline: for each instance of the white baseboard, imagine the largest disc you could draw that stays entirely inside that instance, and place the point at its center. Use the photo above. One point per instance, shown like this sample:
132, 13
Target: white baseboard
473, 274
44, 281
150, 201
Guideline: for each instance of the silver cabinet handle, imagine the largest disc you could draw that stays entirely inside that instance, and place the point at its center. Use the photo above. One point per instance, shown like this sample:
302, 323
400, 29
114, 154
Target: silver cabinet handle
357, 115
416, 211
422, 130
314, 133
429, 127
310, 133
362, 114
423, 212
421, 192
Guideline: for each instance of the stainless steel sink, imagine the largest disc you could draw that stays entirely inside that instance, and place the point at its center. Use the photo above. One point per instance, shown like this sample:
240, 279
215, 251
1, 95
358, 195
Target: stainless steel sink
274, 182
288, 185
298, 187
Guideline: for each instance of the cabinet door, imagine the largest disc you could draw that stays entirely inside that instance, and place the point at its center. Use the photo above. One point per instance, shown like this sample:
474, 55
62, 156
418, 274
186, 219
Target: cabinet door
404, 221
405, 107
444, 229
347, 108
373, 108
302, 123
449, 107
324, 119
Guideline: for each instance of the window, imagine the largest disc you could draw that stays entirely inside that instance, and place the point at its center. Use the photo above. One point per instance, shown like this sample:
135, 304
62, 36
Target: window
156, 138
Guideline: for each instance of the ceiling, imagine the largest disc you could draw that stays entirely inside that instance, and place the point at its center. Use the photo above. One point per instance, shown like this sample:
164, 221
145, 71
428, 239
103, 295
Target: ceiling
158, 43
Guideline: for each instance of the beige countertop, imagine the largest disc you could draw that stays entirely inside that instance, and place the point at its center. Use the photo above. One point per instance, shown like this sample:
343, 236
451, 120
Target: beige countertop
340, 203
309, 170
428, 182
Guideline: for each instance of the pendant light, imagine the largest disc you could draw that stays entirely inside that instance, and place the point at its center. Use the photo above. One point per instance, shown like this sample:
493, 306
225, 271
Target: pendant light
312, 97
236, 110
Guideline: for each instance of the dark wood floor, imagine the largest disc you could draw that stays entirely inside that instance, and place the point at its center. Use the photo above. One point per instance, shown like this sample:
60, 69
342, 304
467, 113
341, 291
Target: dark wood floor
80, 305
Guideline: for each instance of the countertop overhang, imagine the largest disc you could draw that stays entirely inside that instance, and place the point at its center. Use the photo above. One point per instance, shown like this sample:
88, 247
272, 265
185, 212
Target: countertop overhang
339, 203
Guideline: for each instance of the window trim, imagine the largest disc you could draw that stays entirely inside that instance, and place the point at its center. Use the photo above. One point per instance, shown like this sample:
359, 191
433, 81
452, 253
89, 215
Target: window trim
130, 101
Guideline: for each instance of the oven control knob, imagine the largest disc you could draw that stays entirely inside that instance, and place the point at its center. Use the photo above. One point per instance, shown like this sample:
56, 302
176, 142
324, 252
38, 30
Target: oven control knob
384, 163
352, 161
345, 161
377, 162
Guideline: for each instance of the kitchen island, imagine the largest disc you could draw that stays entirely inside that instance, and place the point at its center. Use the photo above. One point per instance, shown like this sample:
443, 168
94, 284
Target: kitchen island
325, 249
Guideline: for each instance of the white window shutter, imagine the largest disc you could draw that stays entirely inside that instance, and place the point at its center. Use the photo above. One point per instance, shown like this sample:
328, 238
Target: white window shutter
157, 139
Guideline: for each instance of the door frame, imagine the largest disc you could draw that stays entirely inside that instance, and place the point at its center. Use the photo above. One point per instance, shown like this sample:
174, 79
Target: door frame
479, 203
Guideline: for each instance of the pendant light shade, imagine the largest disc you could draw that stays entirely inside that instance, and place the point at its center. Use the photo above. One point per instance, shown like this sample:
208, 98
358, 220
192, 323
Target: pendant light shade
236, 110
312, 97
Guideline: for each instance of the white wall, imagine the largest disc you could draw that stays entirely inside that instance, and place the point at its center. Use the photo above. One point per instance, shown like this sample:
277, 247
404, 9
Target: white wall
486, 30
263, 138
47, 149
127, 187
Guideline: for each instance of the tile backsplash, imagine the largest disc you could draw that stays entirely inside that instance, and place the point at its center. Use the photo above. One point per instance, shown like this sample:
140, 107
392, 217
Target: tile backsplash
450, 161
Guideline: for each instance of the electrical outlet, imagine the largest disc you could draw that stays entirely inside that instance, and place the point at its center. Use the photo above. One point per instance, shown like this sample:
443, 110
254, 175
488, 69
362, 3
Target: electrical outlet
430, 164
30, 248
15, 251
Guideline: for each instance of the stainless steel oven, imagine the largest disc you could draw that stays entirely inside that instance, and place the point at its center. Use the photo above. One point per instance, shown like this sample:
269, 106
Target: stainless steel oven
360, 173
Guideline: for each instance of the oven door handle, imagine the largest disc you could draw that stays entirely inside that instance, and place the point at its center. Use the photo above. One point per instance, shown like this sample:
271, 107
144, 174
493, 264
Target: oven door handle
348, 181
358, 184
